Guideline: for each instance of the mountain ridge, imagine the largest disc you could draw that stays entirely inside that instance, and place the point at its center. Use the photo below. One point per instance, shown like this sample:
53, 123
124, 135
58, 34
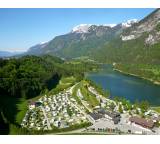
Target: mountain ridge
137, 44
86, 36
8, 54
128, 42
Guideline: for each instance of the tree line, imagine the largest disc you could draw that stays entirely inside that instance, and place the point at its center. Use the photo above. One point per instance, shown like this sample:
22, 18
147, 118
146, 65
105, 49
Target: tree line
27, 77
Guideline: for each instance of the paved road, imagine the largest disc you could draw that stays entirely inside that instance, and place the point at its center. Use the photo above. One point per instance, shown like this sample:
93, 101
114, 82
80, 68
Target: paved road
48, 123
123, 126
74, 105
87, 116
79, 94
71, 88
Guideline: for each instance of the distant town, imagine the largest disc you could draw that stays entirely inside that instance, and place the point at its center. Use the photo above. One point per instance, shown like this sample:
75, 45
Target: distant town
70, 107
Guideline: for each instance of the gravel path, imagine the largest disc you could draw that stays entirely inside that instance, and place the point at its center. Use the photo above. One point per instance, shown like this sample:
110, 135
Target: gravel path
48, 123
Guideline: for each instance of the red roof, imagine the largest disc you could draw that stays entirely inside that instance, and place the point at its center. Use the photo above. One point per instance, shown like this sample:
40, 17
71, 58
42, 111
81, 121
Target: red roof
32, 103
141, 121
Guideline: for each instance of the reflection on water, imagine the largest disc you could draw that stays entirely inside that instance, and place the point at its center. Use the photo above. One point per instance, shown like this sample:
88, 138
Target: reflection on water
129, 87
132, 82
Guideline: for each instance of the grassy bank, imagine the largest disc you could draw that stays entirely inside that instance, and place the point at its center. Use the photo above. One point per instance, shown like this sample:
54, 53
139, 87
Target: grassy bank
146, 72
157, 109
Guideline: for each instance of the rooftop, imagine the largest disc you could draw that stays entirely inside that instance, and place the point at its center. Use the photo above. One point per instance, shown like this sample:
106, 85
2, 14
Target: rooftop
141, 121
96, 116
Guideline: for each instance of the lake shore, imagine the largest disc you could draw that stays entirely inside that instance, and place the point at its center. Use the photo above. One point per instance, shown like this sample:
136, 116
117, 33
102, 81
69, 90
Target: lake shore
156, 108
151, 80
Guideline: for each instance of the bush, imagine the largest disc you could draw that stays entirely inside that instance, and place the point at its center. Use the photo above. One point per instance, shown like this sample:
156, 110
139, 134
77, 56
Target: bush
158, 27
120, 109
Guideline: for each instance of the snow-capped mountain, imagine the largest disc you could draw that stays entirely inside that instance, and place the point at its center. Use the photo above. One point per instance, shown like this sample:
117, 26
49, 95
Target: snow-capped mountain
110, 25
129, 23
139, 43
149, 26
133, 39
37, 49
82, 28
80, 40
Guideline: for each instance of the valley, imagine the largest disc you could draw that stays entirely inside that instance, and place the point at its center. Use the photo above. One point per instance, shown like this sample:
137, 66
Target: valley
148, 72
62, 112
94, 79
126, 86
79, 104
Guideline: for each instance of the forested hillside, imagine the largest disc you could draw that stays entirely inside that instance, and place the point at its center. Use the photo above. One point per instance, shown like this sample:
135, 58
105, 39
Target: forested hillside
132, 51
27, 77
137, 49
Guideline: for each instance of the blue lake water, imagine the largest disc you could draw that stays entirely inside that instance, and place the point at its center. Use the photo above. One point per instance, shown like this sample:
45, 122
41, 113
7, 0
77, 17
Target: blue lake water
129, 87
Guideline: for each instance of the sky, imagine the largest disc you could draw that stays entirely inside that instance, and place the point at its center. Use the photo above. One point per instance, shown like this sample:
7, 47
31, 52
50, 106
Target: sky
22, 28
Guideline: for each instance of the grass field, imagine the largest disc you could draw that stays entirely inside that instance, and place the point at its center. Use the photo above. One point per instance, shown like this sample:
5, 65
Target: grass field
74, 94
88, 96
156, 109
22, 108
64, 83
22, 104
67, 80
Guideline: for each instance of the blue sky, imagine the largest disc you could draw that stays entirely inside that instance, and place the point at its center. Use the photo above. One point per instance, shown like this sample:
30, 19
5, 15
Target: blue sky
23, 28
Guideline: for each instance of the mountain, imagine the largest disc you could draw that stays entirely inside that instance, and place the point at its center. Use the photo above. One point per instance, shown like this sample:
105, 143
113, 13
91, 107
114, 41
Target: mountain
128, 42
8, 54
139, 43
37, 49
149, 25
81, 41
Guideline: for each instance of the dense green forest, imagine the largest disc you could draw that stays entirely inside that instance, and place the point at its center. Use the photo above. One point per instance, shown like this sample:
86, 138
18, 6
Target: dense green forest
27, 77
147, 71
133, 56
131, 51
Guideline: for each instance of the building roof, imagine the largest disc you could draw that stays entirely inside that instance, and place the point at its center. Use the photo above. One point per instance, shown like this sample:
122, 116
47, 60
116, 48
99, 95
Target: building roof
156, 118
32, 103
116, 120
111, 114
142, 121
95, 116
38, 103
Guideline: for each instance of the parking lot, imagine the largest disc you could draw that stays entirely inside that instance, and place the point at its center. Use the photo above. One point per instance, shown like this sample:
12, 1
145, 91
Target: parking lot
124, 126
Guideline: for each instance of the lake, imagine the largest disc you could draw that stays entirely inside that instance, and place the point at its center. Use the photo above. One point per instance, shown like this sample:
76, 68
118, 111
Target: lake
129, 87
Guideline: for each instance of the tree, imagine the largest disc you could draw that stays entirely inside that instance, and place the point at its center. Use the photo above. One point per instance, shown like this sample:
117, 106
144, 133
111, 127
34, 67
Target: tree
120, 109
116, 99
136, 104
112, 106
137, 111
128, 105
69, 111
144, 105
22, 107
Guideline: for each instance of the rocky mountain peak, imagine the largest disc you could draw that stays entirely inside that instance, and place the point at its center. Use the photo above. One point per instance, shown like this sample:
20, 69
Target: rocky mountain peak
82, 28
150, 26
129, 23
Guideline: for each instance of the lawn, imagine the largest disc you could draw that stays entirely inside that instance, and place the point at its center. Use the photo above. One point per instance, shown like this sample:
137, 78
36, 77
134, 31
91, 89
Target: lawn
74, 93
157, 109
64, 83
88, 96
22, 108
68, 80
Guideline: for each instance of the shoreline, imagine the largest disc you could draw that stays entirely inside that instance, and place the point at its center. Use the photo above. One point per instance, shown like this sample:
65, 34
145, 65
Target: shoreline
138, 76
